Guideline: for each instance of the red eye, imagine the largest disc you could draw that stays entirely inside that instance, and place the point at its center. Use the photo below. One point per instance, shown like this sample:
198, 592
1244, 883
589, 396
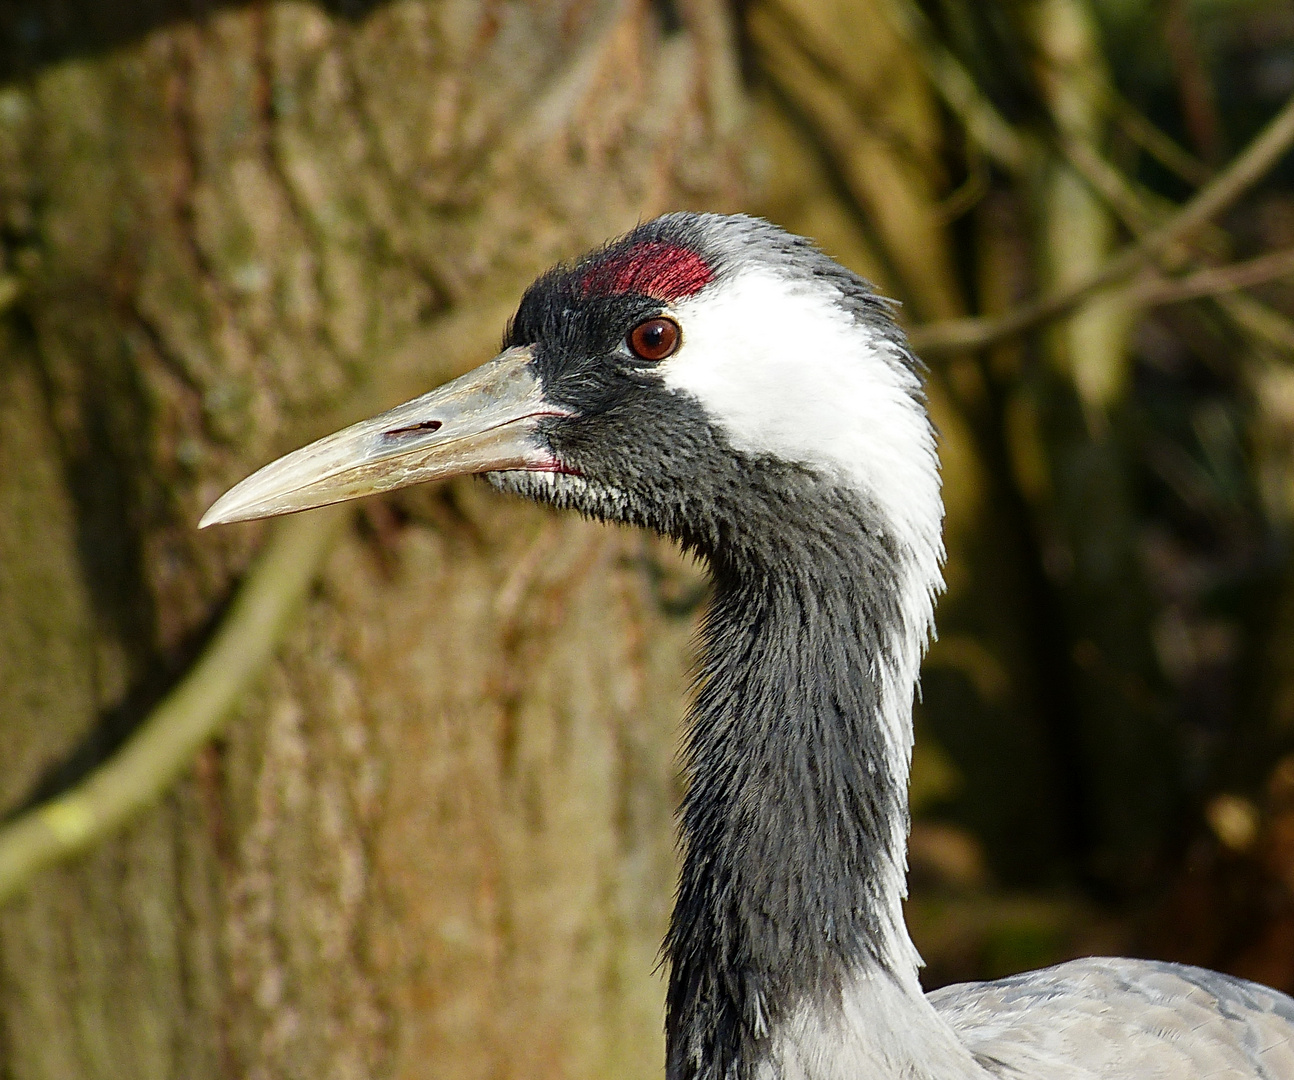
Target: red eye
655, 339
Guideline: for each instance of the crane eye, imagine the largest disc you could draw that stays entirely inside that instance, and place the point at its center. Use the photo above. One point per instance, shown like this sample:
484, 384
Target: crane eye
655, 339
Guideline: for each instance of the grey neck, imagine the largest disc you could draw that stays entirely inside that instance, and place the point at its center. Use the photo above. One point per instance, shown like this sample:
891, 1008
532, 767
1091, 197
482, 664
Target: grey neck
795, 823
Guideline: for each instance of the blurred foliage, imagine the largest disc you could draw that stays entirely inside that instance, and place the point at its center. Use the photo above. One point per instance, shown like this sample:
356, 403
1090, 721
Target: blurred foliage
1107, 718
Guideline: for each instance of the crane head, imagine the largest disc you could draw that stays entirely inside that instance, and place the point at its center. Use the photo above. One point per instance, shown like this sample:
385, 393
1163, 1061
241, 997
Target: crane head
689, 377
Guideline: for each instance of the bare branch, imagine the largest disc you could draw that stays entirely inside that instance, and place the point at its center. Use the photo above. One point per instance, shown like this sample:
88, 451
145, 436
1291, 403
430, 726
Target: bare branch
1247, 169
156, 755
1139, 210
263, 611
1215, 280
1155, 143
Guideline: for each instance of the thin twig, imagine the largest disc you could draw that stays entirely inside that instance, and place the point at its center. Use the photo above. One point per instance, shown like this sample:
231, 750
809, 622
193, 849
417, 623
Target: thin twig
1131, 205
1215, 280
967, 196
1185, 165
1007, 146
797, 36
1138, 210
1198, 98
956, 335
1010, 149
1262, 322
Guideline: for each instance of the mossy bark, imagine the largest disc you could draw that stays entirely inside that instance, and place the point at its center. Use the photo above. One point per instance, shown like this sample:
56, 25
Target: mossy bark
437, 840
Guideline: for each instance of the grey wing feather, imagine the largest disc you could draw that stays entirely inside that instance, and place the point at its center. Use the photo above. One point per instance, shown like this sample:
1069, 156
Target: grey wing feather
1108, 1019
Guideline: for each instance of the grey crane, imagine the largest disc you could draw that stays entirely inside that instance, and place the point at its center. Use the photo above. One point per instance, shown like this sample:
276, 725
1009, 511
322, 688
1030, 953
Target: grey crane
722, 382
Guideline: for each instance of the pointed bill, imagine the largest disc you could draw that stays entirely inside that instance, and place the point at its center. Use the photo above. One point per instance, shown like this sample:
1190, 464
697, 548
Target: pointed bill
482, 422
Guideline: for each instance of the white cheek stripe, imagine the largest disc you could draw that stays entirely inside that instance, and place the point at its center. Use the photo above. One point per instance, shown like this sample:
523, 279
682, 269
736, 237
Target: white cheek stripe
785, 370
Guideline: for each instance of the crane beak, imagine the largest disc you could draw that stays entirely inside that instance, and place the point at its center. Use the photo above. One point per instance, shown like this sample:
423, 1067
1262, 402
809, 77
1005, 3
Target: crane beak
484, 421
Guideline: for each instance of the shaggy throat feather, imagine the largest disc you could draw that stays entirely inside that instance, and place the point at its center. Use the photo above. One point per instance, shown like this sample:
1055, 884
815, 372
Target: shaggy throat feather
795, 822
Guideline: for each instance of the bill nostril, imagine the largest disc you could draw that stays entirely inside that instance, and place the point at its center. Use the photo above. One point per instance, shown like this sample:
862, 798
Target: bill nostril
424, 427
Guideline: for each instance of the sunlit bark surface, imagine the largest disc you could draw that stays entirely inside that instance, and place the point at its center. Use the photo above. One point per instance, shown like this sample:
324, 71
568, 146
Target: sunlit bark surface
437, 840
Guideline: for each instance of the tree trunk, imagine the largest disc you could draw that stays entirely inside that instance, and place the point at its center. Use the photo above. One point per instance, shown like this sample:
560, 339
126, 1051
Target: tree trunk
436, 841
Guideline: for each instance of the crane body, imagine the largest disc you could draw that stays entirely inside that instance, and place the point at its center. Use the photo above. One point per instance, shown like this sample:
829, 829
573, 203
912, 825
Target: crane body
722, 382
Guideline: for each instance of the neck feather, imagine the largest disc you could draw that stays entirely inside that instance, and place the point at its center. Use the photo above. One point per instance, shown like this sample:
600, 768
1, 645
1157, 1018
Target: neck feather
795, 823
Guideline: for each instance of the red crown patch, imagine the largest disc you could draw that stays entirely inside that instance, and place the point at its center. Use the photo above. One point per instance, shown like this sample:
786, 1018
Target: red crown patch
659, 270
